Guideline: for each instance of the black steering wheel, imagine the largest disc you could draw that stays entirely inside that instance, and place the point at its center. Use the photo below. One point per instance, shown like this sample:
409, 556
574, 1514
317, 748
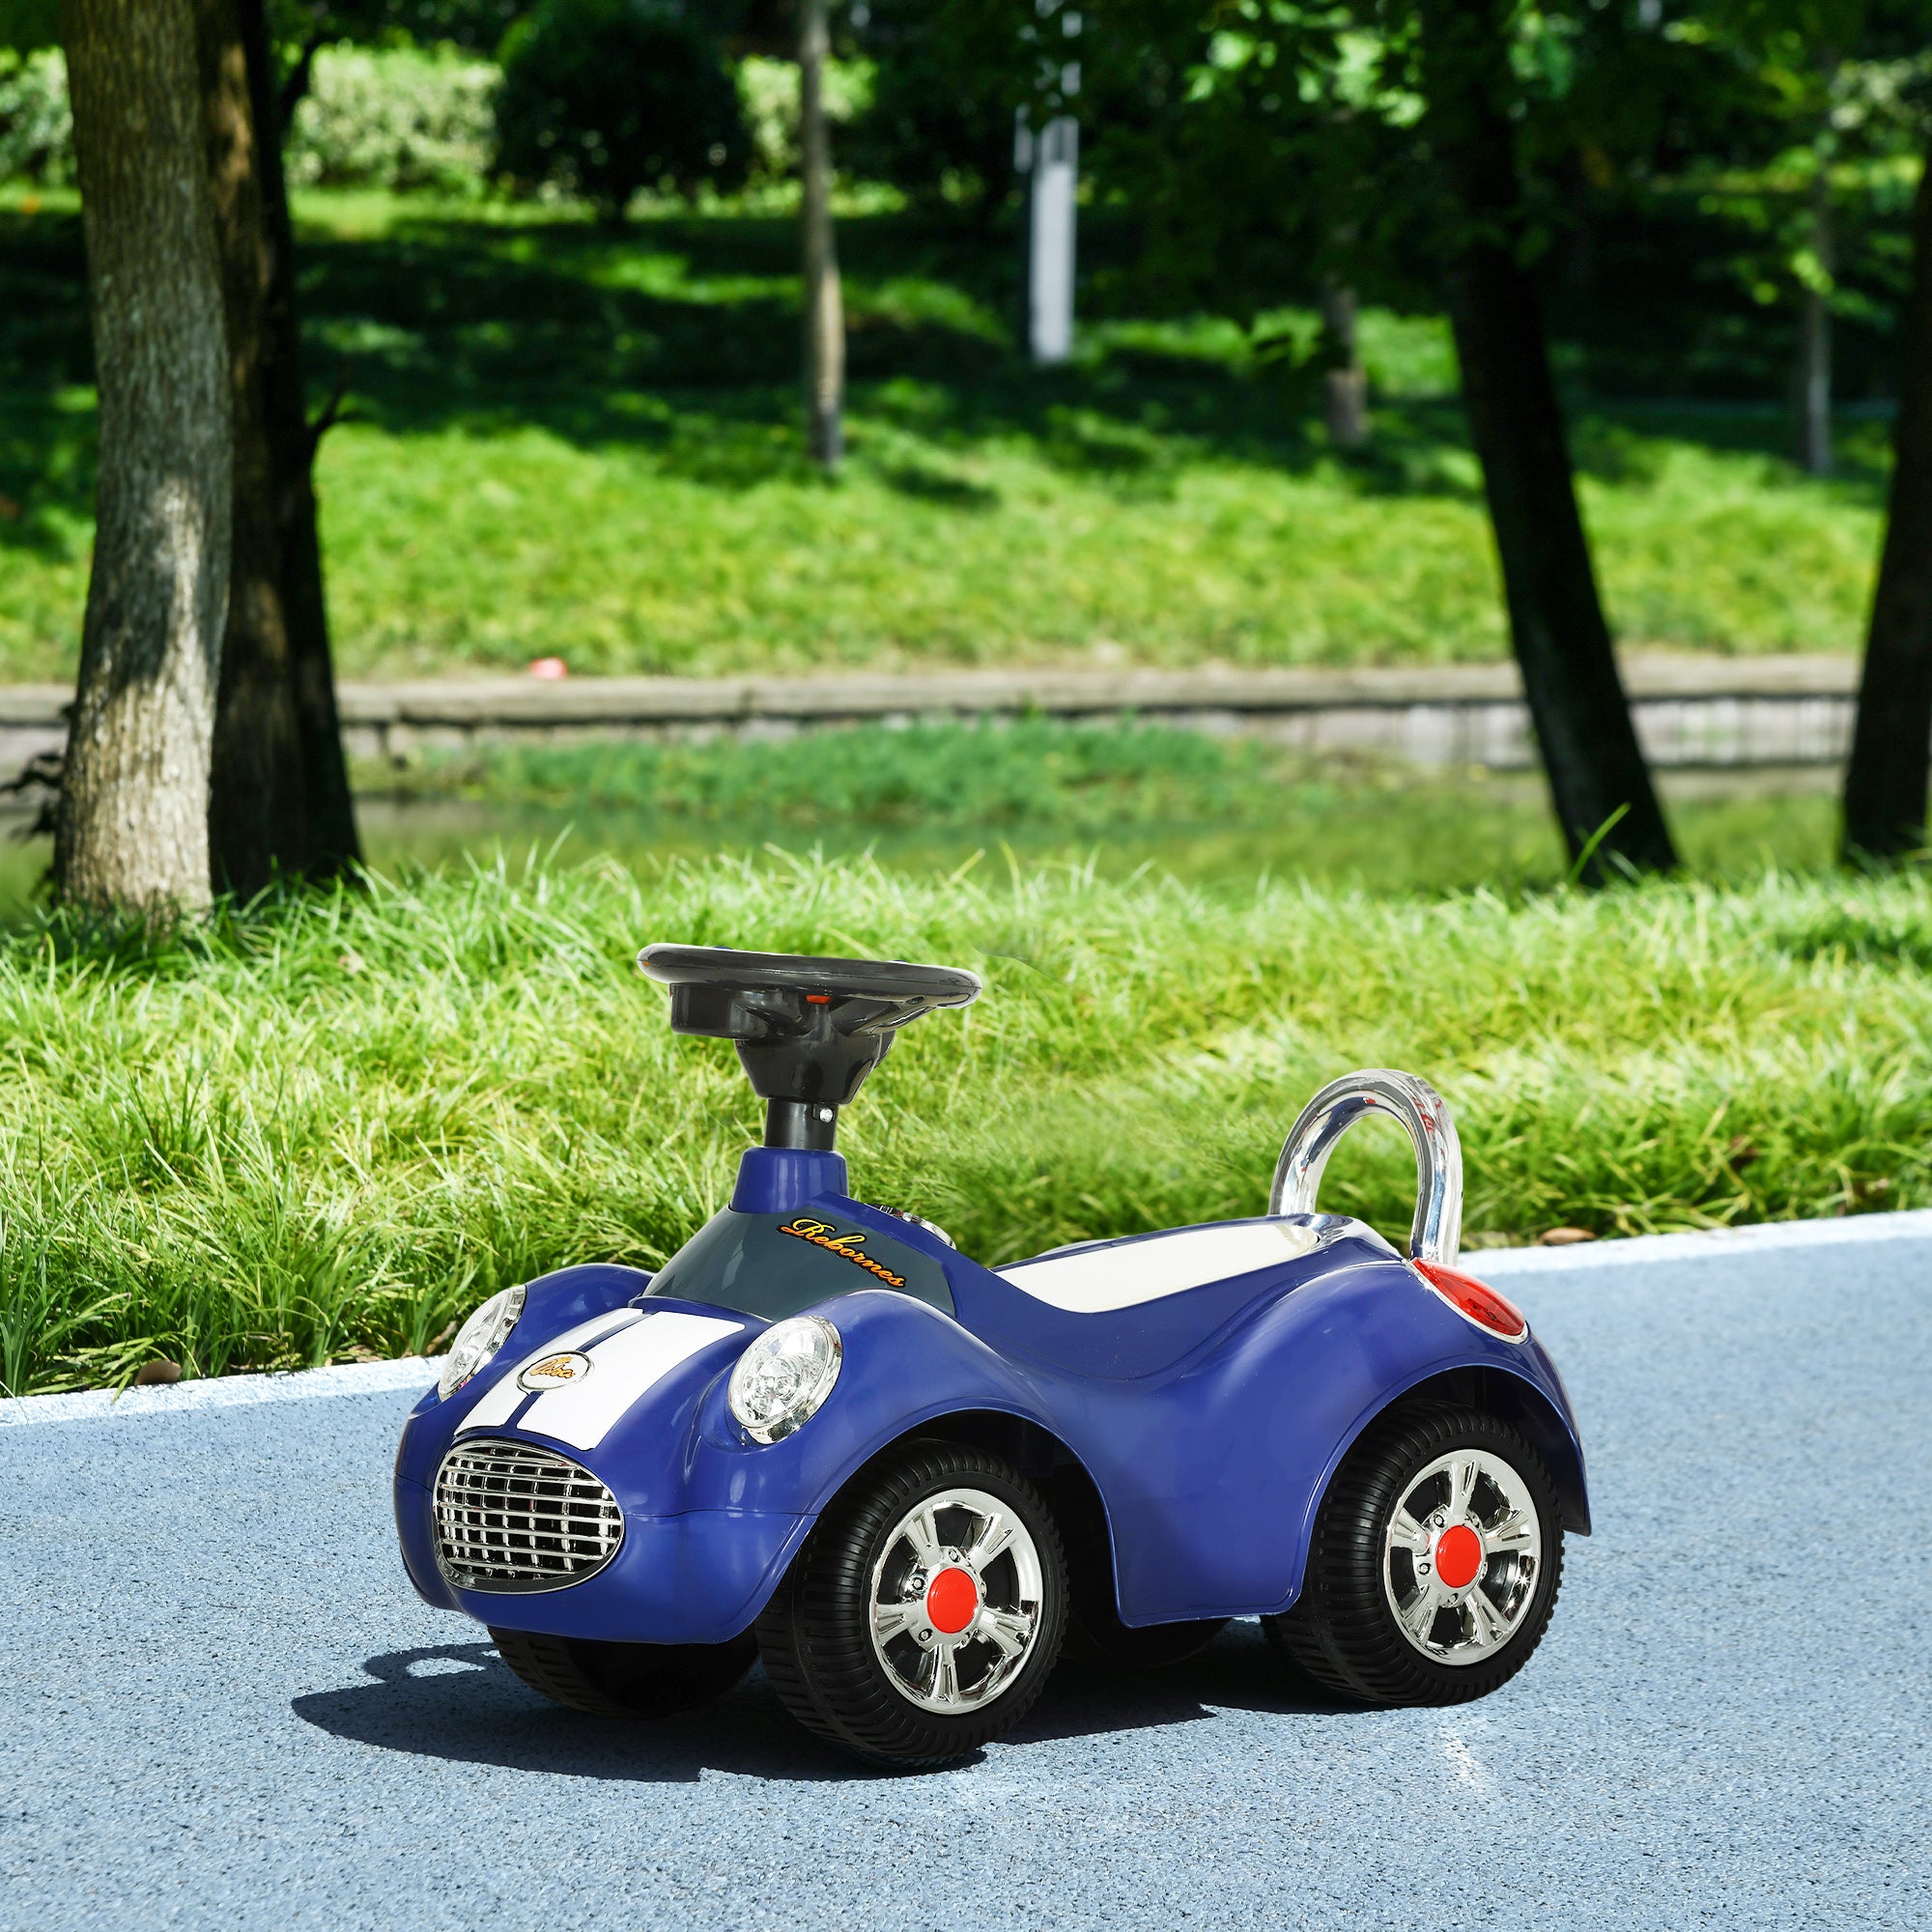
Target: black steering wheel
892, 980
807, 1030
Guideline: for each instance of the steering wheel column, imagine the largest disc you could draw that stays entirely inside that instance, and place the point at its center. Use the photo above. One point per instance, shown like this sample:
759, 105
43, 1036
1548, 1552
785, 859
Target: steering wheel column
807, 1030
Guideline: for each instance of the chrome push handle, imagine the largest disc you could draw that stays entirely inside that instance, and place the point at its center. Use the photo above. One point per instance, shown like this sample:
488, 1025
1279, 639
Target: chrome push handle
1438, 1232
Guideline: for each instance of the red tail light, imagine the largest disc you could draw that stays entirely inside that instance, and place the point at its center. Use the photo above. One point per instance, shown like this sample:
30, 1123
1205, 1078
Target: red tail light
1475, 1299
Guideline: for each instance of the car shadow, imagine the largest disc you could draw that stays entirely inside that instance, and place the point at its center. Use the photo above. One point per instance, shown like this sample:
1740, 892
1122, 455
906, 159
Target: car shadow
1238, 1671
460, 1702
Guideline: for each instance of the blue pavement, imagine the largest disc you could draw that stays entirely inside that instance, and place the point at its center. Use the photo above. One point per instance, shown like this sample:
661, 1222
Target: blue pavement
221, 1706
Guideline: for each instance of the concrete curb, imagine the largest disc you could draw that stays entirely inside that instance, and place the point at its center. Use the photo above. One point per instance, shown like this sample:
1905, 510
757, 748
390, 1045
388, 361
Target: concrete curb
416, 1371
1693, 711
137, 1404
1706, 1244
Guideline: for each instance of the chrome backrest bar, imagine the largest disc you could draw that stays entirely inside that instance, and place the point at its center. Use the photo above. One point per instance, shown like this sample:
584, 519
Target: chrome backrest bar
1438, 1233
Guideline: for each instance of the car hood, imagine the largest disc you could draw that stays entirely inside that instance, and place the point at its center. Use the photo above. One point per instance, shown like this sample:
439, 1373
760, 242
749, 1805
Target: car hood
635, 1379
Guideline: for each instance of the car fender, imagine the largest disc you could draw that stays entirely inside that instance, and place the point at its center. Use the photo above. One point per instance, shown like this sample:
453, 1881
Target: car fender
1212, 1473
904, 1364
553, 1303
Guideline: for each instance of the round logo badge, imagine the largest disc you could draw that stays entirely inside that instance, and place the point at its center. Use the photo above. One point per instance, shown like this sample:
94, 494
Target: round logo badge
554, 1372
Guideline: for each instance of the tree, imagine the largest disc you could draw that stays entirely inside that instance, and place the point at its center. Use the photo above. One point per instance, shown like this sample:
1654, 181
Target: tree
258, 795
823, 302
132, 828
28, 24
1329, 142
609, 97
1598, 779
950, 75
330, 845
280, 804
1886, 780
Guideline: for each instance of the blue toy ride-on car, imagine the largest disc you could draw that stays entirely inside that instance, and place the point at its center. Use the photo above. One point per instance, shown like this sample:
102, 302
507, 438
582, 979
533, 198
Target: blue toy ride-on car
821, 1437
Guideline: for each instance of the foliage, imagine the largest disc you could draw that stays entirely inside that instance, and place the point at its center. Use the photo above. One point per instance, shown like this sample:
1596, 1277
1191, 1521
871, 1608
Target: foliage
1840, 137
477, 26
602, 97
28, 24
533, 393
398, 118
395, 117
951, 76
35, 125
338, 1123
769, 90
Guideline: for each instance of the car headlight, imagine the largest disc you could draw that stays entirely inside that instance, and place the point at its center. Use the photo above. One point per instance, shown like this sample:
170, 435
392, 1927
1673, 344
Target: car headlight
784, 1377
479, 1338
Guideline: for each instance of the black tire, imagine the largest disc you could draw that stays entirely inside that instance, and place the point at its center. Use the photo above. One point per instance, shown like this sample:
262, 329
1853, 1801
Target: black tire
815, 1635
626, 1680
1343, 1631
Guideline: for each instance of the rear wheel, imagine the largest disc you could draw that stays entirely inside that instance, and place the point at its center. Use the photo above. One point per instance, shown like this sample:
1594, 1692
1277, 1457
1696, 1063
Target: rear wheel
626, 1680
1434, 1565
921, 1618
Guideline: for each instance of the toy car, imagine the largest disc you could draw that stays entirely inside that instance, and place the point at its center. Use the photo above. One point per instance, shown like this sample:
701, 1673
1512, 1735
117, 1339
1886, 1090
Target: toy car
821, 1437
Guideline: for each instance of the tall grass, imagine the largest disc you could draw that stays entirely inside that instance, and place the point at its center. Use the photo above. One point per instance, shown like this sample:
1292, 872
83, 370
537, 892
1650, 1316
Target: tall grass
332, 1126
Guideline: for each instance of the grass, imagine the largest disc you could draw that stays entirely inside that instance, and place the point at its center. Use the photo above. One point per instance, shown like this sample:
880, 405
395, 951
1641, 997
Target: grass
568, 444
332, 1126
1216, 811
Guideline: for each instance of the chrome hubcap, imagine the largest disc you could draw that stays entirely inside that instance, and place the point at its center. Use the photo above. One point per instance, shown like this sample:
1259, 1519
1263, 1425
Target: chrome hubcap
956, 1601
1462, 1557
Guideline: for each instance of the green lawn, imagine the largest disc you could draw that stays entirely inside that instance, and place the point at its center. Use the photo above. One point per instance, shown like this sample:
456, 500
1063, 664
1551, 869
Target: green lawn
1216, 811
334, 1127
571, 444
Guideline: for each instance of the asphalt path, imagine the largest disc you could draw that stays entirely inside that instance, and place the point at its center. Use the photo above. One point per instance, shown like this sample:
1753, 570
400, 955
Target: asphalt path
221, 1705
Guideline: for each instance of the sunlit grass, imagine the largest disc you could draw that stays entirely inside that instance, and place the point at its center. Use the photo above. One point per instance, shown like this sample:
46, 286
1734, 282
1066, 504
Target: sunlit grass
568, 442
337, 1125
1213, 810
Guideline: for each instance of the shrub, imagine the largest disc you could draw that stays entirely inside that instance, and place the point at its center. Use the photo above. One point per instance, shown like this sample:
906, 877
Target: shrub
769, 91
394, 118
36, 127
939, 121
602, 98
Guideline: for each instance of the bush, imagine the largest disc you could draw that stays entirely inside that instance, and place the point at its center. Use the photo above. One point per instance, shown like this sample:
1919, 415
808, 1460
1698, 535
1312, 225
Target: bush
36, 127
769, 91
395, 118
939, 121
602, 98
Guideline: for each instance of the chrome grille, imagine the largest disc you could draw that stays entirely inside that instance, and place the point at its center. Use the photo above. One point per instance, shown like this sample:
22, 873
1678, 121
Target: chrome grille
510, 1517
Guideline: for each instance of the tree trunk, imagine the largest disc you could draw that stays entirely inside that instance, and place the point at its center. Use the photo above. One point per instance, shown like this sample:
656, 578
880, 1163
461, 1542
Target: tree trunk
1814, 341
256, 819
1345, 383
824, 304
1886, 781
331, 844
132, 831
1598, 779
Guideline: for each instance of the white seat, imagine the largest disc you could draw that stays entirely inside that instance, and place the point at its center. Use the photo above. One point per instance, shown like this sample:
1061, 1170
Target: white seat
1106, 1275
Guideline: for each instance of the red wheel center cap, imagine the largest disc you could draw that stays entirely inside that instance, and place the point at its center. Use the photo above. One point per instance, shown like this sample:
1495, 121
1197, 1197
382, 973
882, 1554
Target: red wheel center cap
952, 1602
1458, 1556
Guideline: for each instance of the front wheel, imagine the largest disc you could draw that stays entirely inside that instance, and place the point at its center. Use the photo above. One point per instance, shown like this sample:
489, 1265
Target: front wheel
626, 1680
1435, 1564
924, 1615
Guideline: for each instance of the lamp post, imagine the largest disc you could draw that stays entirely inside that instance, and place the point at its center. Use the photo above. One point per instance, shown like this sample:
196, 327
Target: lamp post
1051, 161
